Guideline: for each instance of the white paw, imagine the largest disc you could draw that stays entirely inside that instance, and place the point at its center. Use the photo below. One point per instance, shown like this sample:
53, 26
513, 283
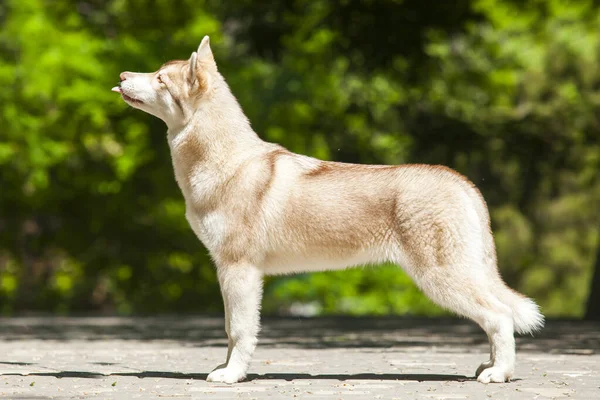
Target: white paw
484, 365
495, 375
226, 375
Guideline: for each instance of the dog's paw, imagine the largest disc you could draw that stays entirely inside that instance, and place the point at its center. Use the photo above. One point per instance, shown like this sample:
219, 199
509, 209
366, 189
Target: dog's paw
226, 375
494, 375
483, 366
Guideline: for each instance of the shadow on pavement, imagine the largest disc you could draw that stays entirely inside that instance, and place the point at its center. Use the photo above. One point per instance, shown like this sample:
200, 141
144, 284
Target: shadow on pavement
252, 377
558, 337
15, 363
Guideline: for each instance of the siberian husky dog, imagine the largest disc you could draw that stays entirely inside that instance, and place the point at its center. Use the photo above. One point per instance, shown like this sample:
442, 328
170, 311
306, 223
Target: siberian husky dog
260, 209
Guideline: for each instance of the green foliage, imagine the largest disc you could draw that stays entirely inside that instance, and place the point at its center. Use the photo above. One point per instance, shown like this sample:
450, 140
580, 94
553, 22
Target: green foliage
374, 291
506, 92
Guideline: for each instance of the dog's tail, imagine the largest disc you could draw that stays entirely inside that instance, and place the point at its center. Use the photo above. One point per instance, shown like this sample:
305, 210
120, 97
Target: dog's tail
527, 317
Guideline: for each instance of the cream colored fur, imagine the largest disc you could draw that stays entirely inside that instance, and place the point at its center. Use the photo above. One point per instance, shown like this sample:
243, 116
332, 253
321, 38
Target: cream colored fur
260, 209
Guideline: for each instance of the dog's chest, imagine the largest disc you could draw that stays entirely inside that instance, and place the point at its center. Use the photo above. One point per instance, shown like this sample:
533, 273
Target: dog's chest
198, 187
211, 228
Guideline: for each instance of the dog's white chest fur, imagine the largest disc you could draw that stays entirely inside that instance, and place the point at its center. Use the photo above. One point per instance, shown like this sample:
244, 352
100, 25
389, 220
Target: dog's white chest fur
210, 228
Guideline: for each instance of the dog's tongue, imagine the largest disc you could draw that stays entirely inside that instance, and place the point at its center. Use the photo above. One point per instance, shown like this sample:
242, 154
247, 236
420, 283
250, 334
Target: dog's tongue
116, 89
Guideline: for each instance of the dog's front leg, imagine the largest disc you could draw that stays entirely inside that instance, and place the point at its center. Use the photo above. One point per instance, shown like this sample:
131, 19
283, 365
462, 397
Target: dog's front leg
241, 286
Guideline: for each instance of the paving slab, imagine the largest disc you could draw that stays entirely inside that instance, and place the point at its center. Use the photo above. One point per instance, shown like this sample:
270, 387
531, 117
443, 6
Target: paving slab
297, 358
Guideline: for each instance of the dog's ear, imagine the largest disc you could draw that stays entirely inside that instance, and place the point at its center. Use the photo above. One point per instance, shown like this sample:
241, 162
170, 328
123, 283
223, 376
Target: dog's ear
204, 52
193, 70
202, 56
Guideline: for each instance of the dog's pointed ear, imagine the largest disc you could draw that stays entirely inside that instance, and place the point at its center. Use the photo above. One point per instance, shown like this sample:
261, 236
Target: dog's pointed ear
204, 51
203, 56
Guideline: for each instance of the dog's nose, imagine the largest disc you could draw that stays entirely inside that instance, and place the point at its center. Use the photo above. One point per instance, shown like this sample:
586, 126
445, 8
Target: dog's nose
123, 76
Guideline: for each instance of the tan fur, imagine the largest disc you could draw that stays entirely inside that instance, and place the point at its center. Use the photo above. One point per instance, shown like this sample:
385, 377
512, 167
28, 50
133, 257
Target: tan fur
261, 209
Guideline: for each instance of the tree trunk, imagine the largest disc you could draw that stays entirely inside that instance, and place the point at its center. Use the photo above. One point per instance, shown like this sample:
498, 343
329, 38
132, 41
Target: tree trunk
593, 304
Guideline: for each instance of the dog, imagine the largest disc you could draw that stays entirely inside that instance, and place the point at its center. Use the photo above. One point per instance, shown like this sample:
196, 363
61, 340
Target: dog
261, 210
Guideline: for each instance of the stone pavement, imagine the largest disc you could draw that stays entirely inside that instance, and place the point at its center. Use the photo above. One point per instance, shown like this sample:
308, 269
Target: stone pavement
325, 358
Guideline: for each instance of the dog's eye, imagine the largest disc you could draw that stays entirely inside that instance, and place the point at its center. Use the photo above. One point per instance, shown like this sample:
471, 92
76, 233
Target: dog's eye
160, 80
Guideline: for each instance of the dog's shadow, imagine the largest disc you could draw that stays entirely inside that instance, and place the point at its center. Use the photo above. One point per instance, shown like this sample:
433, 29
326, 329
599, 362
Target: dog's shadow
256, 377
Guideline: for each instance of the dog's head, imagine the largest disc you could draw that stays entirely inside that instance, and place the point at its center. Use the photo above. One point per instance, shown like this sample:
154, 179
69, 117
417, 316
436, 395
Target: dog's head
174, 91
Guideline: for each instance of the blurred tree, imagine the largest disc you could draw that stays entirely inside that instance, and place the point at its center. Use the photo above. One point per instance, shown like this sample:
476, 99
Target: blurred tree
506, 92
91, 214
593, 303
520, 94
503, 91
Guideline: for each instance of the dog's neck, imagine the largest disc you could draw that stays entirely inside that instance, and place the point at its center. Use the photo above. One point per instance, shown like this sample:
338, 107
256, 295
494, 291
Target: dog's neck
216, 140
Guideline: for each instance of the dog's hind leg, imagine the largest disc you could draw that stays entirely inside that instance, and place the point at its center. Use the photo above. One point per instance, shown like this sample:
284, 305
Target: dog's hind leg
472, 295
